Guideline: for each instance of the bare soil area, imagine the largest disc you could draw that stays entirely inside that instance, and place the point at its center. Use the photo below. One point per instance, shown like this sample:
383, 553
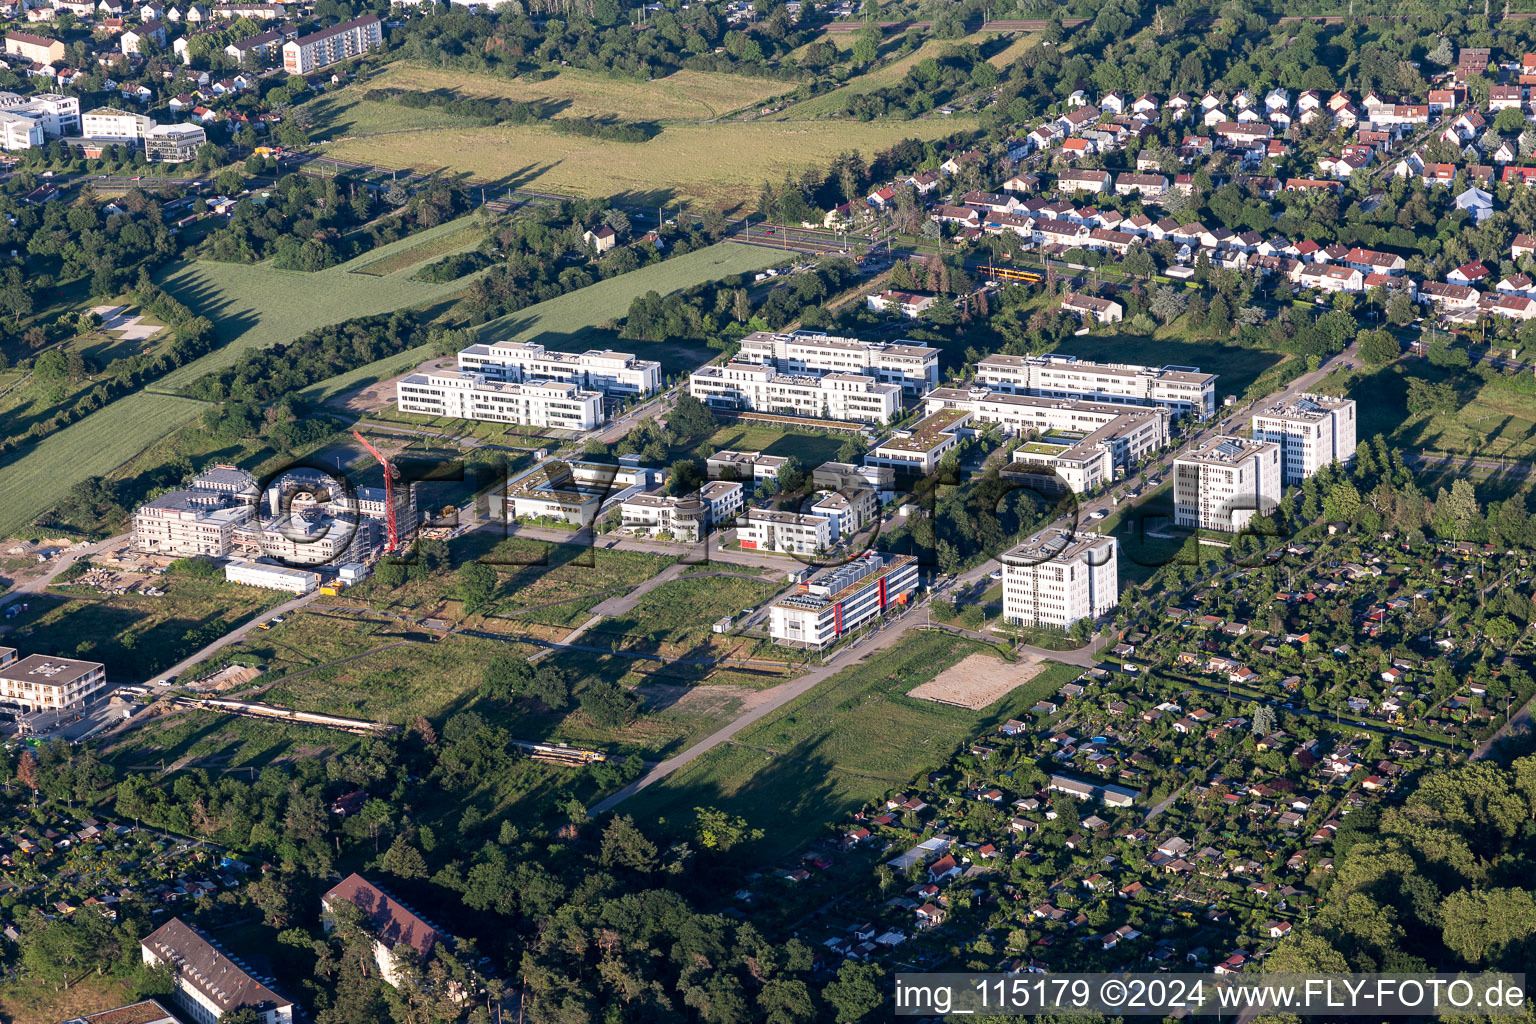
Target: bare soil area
978, 680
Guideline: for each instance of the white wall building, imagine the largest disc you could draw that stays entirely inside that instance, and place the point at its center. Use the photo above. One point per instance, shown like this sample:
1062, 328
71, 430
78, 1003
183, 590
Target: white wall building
329, 46
470, 396
18, 132
1056, 578
618, 374
111, 124
393, 923
1222, 486
918, 449
271, 577
842, 598
834, 396
200, 519
1182, 390
40, 681
761, 529
208, 982
686, 517
912, 366
1312, 431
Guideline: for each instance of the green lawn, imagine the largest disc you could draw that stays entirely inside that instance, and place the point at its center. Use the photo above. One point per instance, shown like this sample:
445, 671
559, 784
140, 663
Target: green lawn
810, 447
1491, 419
683, 611
1238, 367
93, 446
848, 741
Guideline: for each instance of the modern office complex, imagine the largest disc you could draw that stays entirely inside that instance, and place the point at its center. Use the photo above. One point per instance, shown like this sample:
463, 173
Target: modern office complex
1081, 445
685, 517
911, 366
1223, 485
1057, 577
616, 374
470, 396
173, 143
1182, 390
572, 491
108, 124
39, 681
850, 397
329, 46
917, 450
842, 598
200, 519
1312, 431
58, 115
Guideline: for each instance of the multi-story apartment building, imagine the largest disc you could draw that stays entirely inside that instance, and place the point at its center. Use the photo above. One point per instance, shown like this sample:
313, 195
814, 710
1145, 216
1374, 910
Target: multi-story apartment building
917, 450
330, 46
470, 396
40, 681
1222, 486
687, 517
842, 598
1182, 390
761, 529
850, 509
173, 143
1082, 443
201, 519
1056, 578
914, 367
618, 374
392, 923
850, 397
109, 124
1312, 431
38, 49
208, 982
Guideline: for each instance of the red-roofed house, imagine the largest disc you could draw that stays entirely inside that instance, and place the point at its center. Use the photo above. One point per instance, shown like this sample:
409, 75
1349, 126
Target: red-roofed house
392, 924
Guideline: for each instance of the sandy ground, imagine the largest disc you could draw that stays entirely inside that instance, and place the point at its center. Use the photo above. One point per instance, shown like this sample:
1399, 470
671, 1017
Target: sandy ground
130, 328
380, 397
978, 681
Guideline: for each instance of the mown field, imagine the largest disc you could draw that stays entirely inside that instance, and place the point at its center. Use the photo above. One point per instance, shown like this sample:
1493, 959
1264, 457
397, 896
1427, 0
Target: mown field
256, 305
1488, 419
1170, 346
94, 446
851, 739
720, 164
683, 96
466, 237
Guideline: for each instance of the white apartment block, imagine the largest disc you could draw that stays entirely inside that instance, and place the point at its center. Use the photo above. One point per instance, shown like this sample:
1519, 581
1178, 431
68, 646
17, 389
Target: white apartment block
760, 529
835, 396
850, 509
1182, 390
470, 396
914, 367
1223, 485
18, 132
619, 374
208, 983
1084, 443
1057, 578
109, 123
1312, 431
40, 681
199, 520
842, 598
337, 43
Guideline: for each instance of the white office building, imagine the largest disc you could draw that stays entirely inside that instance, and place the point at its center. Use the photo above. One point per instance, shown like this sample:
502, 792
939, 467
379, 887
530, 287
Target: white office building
1223, 485
1057, 578
271, 577
109, 124
1312, 431
842, 598
848, 397
41, 681
911, 366
616, 374
173, 143
1182, 390
684, 517
535, 403
200, 519
59, 115
918, 449
761, 529
1081, 445
18, 132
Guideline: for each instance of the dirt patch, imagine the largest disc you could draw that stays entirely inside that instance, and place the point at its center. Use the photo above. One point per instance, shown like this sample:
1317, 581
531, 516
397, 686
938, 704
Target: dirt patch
721, 699
228, 678
978, 680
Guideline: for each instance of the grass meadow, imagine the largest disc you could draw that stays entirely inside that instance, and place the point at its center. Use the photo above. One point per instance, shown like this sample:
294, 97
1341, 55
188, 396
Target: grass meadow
851, 739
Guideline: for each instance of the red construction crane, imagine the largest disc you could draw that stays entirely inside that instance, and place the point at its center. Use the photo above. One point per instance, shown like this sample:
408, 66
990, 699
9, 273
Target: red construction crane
390, 473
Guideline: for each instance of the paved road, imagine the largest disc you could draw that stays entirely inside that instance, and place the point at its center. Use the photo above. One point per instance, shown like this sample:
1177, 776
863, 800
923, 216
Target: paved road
1519, 722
